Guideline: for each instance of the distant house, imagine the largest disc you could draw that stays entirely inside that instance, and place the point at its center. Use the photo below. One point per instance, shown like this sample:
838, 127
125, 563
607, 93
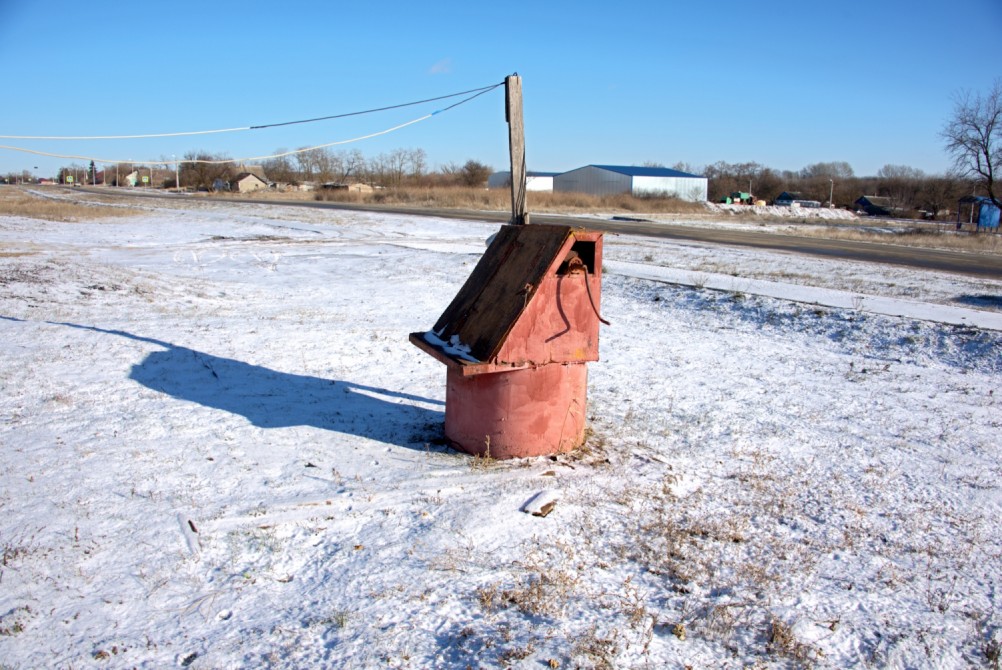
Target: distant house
793, 199
875, 205
785, 199
982, 212
534, 181
246, 182
256, 170
612, 179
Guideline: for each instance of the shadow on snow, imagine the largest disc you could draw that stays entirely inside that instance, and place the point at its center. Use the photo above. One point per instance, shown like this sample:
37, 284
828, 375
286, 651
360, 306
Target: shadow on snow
272, 399
980, 301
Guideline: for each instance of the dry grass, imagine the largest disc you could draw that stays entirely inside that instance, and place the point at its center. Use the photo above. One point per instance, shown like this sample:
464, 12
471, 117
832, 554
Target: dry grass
782, 641
500, 200
929, 238
21, 202
932, 236
700, 577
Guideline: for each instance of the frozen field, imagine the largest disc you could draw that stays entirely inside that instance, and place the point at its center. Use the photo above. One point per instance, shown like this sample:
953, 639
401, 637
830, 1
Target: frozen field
220, 451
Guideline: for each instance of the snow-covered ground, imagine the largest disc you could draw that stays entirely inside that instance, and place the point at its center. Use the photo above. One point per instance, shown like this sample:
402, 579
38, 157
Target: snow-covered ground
220, 451
820, 213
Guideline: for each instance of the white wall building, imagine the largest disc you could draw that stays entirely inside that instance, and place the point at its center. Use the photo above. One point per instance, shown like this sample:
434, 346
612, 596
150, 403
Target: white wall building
534, 181
611, 179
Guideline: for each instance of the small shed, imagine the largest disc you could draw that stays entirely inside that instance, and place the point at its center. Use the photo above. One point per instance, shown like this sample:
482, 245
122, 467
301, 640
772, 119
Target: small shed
982, 212
245, 182
638, 181
534, 181
353, 187
875, 205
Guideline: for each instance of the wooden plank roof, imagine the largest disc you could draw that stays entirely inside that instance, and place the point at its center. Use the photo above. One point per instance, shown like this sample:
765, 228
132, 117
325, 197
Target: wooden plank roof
500, 286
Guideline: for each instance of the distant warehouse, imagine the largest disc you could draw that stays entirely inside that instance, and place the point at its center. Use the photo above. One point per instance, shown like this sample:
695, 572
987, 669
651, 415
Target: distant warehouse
534, 181
650, 181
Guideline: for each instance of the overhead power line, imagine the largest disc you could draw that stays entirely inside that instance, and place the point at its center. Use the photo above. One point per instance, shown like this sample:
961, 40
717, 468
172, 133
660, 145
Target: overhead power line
228, 160
478, 91
163, 161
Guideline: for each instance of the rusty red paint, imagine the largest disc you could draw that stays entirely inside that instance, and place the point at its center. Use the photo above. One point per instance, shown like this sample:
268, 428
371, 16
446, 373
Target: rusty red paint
560, 324
530, 412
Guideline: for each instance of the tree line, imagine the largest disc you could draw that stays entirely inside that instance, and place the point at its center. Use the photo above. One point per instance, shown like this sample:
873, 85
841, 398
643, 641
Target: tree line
972, 138
909, 191
204, 170
398, 168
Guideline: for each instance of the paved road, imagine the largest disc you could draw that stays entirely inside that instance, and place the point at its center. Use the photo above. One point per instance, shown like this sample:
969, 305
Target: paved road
971, 264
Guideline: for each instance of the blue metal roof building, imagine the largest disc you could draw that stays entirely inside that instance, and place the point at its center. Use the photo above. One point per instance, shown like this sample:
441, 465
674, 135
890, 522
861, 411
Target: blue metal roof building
639, 171
649, 181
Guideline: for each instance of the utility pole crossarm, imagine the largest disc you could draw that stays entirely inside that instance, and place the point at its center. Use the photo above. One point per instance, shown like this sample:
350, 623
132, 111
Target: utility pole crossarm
516, 148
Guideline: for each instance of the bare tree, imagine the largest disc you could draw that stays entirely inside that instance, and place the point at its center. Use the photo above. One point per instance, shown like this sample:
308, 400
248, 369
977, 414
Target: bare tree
201, 169
22, 177
397, 168
418, 160
474, 173
973, 136
352, 164
726, 178
939, 194
688, 168
821, 180
305, 163
902, 184
325, 165
280, 169
832, 170
379, 170
396, 165
451, 172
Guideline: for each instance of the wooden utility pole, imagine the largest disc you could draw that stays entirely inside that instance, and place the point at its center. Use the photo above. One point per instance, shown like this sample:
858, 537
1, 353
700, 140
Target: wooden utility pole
516, 148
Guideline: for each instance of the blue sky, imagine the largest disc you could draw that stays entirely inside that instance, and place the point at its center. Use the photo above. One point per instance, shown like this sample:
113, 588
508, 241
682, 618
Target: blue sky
784, 84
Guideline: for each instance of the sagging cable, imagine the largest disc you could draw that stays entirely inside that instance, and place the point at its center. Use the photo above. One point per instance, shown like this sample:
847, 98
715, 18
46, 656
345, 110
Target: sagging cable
176, 161
476, 91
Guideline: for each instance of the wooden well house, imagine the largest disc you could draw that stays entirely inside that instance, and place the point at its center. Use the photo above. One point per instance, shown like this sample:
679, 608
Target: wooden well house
516, 339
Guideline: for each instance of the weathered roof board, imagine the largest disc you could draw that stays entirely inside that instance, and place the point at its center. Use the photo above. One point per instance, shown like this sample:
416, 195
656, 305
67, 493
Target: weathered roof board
498, 289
